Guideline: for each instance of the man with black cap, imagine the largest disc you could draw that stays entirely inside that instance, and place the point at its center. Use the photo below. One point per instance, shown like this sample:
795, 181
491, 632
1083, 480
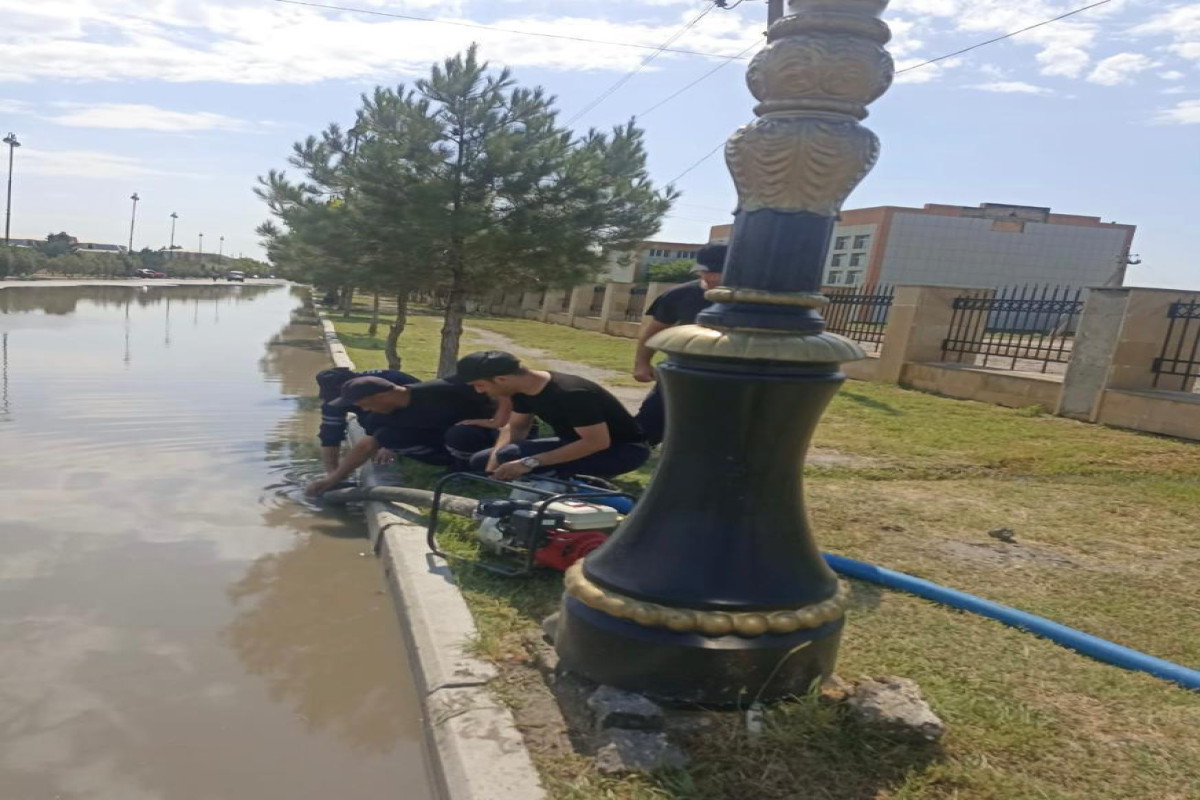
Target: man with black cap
678, 306
593, 433
333, 418
436, 422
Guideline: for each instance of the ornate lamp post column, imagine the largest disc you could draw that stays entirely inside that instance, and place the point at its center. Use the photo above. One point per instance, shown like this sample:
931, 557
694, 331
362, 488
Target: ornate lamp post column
714, 591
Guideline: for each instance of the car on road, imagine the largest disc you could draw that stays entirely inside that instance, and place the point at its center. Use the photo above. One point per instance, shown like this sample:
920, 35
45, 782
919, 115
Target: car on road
148, 273
235, 275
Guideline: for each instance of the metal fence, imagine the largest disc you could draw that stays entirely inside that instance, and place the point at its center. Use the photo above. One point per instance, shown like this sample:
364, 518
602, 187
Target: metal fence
1030, 327
637, 303
859, 313
1180, 355
597, 300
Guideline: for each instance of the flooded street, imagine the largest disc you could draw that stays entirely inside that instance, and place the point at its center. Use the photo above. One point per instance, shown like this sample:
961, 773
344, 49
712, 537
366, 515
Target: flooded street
176, 623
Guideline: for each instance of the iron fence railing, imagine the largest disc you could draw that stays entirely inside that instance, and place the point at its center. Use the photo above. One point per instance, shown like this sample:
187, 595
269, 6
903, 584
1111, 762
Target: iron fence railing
1030, 327
597, 305
859, 313
1180, 354
636, 308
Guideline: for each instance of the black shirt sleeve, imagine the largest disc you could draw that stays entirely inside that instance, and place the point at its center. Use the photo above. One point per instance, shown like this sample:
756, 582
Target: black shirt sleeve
520, 404
664, 308
333, 425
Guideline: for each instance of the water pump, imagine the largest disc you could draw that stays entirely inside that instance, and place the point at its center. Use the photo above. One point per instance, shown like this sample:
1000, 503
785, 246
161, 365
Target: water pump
546, 523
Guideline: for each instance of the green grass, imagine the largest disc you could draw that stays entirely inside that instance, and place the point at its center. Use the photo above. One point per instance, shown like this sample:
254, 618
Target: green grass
1107, 541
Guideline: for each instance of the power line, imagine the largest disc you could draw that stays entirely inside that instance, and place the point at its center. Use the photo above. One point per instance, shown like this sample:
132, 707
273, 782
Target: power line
628, 76
496, 28
705, 76
1009, 35
1002, 38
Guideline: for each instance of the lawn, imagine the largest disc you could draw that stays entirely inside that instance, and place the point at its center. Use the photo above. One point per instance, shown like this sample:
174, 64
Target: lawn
1107, 540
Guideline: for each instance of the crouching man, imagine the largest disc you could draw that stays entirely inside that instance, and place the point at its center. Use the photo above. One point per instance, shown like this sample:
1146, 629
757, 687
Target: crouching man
333, 417
438, 422
593, 433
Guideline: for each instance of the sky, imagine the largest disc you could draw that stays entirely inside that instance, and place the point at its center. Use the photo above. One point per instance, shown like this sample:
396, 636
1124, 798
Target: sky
186, 102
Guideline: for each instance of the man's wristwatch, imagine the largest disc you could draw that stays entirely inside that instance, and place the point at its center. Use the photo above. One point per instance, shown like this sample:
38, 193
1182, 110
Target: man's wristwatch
531, 462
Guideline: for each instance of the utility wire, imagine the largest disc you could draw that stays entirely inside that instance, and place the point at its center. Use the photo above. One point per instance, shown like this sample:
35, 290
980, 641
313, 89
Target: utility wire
478, 26
1002, 38
703, 77
628, 76
1009, 35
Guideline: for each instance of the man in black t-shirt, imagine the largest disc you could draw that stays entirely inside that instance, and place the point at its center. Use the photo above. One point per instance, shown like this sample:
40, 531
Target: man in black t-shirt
678, 306
593, 433
438, 422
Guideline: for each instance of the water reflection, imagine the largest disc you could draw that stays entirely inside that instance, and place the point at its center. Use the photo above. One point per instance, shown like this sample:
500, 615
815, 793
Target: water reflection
169, 628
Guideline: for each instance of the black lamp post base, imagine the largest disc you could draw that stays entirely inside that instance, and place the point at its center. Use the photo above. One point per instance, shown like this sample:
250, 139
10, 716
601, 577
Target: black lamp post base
691, 669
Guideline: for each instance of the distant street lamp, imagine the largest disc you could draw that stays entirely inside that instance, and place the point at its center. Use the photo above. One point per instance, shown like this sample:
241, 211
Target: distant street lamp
202, 247
221, 251
13, 144
133, 219
171, 248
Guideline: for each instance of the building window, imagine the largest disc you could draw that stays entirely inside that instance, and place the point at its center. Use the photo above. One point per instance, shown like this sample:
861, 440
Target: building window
856, 259
861, 241
835, 277
840, 242
836, 261
684, 254
852, 277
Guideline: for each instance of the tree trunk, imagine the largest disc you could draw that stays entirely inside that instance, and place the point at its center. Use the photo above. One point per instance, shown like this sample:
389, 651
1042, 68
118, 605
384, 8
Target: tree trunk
456, 308
395, 329
373, 328
347, 301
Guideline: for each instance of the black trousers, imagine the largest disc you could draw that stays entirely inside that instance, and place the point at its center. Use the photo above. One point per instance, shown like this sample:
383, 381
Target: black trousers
652, 417
452, 447
619, 458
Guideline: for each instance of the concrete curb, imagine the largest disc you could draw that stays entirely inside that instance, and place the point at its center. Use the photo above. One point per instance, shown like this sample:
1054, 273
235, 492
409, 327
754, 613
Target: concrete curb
475, 747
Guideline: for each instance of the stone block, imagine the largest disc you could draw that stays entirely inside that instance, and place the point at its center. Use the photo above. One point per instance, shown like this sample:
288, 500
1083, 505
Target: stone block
616, 708
897, 704
623, 751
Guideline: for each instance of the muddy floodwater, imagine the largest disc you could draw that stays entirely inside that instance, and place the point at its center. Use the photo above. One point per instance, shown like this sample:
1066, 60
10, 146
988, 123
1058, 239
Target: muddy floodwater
176, 622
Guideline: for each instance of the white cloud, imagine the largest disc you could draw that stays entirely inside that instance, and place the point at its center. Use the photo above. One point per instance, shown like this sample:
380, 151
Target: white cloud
130, 116
1012, 87
15, 107
1182, 23
257, 42
1174, 90
87, 164
1172, 75
1185, 112
1120, 68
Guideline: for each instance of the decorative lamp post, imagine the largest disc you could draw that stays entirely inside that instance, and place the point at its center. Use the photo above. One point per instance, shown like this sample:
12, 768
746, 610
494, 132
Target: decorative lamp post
171, 247
221, 251
133, 219
13, 144
714, 591
202, 247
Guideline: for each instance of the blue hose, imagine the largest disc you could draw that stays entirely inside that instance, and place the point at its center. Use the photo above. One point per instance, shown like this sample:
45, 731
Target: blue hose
1093, 646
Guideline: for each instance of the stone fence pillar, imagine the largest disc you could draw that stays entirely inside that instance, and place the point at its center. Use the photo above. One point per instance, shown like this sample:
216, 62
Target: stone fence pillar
616, 301
917, 326
581, 301
1120, 334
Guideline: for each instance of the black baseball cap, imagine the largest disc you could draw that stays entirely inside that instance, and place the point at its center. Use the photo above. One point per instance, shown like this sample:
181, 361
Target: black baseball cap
331, 381
711, 258
486, 364
359, 388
